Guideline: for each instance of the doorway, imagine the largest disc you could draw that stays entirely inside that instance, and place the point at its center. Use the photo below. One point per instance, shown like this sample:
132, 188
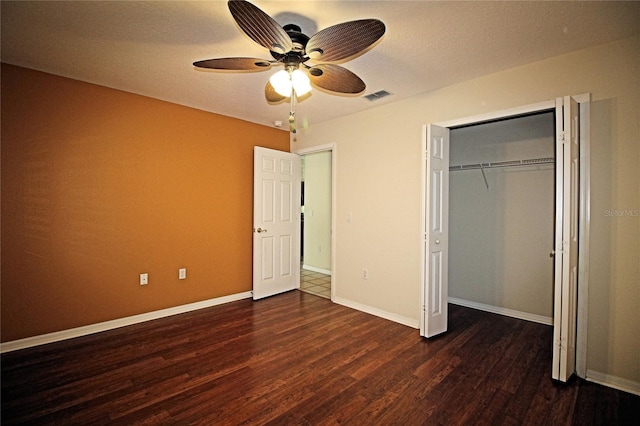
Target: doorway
501, 216
316, 222
570, 248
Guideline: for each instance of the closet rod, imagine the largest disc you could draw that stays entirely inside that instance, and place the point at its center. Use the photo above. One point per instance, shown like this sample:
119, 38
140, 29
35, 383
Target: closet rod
512, 163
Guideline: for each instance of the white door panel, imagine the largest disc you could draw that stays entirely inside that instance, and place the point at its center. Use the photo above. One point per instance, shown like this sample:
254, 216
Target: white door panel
566, 239
276, 222
436, 238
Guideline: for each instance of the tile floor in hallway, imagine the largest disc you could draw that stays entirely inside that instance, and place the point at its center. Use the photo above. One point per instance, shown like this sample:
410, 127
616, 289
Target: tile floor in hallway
315, 283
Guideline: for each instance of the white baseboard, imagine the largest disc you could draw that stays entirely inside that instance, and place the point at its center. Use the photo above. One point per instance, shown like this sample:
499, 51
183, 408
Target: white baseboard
613, 382
378, 312
314, 269
117, 323
502, 311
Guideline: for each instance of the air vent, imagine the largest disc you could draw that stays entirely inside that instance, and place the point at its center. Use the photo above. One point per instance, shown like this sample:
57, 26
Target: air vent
378, 95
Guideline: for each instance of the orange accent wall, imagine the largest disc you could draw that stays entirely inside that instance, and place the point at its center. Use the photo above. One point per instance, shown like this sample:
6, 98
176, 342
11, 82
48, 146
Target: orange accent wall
100, 185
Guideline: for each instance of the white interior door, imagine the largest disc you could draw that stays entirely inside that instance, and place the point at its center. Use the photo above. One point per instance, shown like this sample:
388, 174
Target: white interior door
434, 316
276, 222
566, 239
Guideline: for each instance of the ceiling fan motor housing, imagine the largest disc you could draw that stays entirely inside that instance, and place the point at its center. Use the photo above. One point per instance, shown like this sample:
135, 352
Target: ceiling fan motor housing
296, 55
299, 39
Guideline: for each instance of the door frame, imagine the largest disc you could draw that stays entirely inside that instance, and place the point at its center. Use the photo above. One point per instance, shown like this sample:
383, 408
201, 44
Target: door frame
334, 161
584, 101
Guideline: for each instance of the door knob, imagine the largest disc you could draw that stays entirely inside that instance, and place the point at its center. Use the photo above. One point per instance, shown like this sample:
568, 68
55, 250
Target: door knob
437, 241
260, 230
553, 253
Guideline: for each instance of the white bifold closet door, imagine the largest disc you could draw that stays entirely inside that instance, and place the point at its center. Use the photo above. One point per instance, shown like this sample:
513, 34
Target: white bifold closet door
434, 292
566, 239
434, 318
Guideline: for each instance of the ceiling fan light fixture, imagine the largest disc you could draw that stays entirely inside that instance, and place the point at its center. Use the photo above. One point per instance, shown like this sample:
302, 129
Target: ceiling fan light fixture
285, 81
301, 83
281, 82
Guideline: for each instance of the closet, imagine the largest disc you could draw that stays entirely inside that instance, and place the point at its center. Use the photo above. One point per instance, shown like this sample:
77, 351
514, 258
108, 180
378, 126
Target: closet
505, 210
501, 216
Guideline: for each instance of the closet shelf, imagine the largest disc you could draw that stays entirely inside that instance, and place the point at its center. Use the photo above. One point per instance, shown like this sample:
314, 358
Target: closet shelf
512, 163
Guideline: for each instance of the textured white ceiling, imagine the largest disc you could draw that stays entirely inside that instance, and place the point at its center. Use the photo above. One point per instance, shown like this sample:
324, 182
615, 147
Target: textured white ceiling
148, 47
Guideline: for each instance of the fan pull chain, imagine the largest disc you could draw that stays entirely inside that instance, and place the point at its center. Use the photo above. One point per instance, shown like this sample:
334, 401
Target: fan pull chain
292, 113
292, 123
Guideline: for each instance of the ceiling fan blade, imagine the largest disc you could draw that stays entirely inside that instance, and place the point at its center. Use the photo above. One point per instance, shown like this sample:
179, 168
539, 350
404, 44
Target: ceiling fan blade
344, 40
235, 64
272, 96
335, 78
262, 28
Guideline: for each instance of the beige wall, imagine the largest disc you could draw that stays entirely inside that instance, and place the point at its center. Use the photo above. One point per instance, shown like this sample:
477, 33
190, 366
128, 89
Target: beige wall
99, 186
379, 181
317, 208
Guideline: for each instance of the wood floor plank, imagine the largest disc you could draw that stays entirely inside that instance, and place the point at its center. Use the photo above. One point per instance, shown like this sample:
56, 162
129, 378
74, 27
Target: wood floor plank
298, 359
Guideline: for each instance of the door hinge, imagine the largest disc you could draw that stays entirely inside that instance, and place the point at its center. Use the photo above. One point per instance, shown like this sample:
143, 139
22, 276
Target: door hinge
562, 343
562, 137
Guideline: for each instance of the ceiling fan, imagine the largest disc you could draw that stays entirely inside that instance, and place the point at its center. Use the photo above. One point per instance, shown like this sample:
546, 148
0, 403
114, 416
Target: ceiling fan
293, 49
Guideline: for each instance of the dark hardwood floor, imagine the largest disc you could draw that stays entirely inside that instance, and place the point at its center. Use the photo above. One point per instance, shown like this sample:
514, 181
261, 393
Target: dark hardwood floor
299, 359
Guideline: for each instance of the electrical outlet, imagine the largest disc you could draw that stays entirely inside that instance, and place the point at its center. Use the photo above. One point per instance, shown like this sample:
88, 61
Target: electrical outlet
182, 273
144, 279
365, 274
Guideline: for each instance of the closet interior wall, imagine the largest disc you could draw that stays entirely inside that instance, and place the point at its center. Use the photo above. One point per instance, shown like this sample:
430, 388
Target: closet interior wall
501, 216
